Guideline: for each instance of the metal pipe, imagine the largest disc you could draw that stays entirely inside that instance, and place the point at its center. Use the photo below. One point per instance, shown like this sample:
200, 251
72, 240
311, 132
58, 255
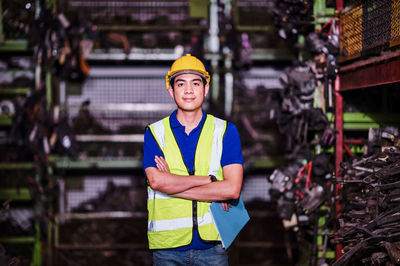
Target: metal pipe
213, 48
213, 44
339, 138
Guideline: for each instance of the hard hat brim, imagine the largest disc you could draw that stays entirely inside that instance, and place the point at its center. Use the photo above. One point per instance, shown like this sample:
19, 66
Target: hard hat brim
187, 72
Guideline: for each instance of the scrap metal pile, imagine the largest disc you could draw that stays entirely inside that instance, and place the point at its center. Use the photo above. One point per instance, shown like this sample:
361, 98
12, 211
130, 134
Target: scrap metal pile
303, 187
303, 190
304, 184
370, 216
292, 16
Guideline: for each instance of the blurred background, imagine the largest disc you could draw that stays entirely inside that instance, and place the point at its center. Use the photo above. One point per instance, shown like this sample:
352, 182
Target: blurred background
310, 84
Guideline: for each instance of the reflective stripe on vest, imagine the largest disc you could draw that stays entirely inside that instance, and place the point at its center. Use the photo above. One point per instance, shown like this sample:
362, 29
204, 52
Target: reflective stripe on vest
154, 194
216, 150
171, 219
178, 223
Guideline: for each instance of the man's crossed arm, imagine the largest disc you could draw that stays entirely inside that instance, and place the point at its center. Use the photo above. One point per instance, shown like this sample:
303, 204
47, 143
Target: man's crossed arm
196, 187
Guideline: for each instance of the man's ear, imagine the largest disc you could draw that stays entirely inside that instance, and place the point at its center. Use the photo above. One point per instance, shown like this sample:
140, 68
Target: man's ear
171, 92
206, 89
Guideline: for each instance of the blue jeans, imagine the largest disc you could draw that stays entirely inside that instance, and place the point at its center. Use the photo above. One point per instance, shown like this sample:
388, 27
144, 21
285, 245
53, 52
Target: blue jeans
215, 256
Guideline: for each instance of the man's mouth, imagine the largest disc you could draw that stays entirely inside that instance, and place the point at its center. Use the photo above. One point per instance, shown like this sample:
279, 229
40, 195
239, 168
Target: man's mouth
188, 99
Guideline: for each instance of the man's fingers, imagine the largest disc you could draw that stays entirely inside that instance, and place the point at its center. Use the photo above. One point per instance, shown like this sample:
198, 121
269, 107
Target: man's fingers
226, 206
159, 167
161, 164
164, 163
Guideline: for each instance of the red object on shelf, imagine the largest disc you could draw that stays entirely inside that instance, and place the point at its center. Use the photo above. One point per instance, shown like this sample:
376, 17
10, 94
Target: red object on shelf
305, 169
354, 141
348, 150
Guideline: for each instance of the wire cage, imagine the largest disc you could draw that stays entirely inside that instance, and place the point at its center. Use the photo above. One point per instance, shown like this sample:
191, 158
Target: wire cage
368, 28
376, 19
122, 98
102, 221
102, 194
351, 33
110, 111
395, 24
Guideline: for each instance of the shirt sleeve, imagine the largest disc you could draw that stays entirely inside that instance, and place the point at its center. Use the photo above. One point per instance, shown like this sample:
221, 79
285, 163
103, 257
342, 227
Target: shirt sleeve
231, 147
150, 150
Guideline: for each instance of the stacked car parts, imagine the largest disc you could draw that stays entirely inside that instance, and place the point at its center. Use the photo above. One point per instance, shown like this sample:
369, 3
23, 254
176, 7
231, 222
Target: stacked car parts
370, 217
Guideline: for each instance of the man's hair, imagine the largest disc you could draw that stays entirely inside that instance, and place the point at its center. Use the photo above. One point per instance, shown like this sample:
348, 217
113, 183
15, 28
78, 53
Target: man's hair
172, 81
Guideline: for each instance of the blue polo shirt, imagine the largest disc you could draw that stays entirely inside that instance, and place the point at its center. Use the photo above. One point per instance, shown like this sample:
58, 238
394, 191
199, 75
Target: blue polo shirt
231, 154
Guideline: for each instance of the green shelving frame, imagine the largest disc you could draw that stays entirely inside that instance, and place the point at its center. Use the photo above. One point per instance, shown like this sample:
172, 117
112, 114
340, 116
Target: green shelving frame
364, 121
95, 163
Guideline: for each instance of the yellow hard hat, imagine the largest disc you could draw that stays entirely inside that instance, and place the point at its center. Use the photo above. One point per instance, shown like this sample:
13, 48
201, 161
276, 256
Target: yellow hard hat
186, 64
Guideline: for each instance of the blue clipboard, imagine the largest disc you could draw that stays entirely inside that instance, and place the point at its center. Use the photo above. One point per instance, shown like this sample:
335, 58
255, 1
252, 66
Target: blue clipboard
229, 223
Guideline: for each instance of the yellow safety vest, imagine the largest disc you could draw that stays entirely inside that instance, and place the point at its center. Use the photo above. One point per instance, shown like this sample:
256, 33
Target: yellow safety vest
171, 220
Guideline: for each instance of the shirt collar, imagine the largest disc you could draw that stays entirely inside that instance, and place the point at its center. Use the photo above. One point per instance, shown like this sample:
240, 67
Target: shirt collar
175, 123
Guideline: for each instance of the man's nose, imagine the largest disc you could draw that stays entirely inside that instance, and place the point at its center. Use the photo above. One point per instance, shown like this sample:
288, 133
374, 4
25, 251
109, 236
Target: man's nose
188, 89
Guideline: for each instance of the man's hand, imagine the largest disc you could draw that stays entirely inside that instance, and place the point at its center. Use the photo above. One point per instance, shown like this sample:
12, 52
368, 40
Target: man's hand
161, 164
226, 206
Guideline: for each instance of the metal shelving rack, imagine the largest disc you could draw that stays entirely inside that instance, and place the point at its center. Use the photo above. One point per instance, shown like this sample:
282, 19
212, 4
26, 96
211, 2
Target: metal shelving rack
65, 169
383, 69
22, 194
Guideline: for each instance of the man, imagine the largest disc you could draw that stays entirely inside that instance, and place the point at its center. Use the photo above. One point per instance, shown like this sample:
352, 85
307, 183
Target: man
190, 159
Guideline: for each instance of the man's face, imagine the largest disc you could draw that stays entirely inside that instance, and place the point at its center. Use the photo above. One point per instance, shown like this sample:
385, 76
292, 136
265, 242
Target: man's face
189, 92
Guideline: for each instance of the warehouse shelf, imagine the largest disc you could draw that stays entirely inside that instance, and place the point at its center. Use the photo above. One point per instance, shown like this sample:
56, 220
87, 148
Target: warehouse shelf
15, 194
272, 54
14, 46
18, 240
132, 107
138, 54
112, 246
266, 163
384, 69
260, 244
23, 195
150, 27
111, 138
96, 163
5, 120
17, 166
135, 54
14, 91
352, 149
99, 215
322, 13
362, 73
62, 218
364, 121
255, 28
